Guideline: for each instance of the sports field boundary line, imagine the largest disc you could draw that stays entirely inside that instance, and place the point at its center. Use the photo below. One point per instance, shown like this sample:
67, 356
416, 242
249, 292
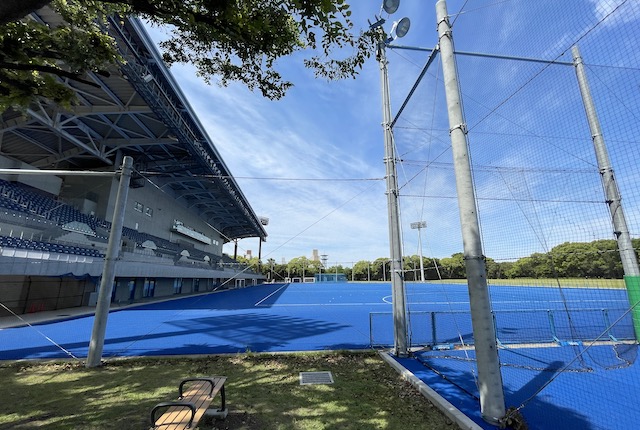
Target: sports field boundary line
285, 305
67, 314
258, 303
463, 421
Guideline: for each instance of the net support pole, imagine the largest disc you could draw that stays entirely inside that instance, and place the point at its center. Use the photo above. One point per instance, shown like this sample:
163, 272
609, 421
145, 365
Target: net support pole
421, 258
612, 194
492, 406
397, 281
96, 344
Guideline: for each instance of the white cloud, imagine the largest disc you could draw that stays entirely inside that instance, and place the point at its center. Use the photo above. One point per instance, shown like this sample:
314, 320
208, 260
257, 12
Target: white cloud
620, 11
293, 140
330, 131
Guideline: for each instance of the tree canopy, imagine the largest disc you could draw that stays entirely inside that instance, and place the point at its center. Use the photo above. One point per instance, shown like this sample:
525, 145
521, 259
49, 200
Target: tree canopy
226, 40
597, 259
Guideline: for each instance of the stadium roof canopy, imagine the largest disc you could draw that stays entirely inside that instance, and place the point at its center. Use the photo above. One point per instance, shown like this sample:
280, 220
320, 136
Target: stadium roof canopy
139, 111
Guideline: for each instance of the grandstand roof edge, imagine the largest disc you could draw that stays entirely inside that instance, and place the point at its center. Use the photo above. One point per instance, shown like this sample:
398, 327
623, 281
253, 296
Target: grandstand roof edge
153, 50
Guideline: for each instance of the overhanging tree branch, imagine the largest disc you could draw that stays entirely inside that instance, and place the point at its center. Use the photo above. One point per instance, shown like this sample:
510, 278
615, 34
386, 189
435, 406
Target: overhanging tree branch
47, 69
227, 40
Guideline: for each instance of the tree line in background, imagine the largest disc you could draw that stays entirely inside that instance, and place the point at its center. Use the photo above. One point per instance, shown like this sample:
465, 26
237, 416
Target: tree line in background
597, 259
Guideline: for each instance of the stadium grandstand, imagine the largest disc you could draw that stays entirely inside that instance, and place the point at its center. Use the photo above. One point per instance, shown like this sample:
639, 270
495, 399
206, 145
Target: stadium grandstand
183, 203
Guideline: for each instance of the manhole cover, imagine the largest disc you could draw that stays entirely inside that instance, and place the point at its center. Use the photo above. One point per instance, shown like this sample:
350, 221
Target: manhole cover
309, 378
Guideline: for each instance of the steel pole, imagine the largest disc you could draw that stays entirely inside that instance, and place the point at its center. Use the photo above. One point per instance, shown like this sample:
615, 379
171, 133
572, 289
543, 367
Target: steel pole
397, 281
612, 194
492, 406
420, 249
384, 271
260, 256
96, 343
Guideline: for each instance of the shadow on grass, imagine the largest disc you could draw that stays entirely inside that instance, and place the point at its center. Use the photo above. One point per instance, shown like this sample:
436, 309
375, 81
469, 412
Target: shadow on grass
263, 392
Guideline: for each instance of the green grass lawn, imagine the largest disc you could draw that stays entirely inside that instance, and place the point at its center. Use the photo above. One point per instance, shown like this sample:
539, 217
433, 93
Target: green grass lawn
547, 282
263, 392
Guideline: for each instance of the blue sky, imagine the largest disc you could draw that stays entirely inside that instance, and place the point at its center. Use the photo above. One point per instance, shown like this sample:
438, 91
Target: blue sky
313, 162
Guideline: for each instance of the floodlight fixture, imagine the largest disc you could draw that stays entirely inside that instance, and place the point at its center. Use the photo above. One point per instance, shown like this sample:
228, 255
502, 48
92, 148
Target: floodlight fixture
390, 6
401, 27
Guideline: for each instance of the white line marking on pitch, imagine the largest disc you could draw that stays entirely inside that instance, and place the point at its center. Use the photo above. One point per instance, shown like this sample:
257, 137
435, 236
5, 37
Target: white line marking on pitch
389, 300
323, 304
257, 304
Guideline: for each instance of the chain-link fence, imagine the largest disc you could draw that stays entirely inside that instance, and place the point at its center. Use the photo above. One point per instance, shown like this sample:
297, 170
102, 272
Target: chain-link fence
546, 202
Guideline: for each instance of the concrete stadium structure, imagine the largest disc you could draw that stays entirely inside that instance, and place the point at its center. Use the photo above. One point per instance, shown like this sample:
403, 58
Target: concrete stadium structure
183, 202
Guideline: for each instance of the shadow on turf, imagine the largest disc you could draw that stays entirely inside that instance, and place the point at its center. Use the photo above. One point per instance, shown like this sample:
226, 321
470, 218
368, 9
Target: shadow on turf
458, 385
212, 335
244, 298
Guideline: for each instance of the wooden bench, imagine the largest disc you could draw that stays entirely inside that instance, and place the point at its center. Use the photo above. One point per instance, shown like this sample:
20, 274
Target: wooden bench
191, 405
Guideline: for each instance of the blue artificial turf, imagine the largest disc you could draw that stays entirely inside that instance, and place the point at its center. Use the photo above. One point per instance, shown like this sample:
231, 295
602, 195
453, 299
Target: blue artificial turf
567, 387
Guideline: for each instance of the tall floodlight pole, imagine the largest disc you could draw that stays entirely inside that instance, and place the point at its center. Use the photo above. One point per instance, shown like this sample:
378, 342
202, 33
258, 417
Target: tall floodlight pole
96, 344
384, 271
323, 259
397, 281
492, 405
612, 195
419, 226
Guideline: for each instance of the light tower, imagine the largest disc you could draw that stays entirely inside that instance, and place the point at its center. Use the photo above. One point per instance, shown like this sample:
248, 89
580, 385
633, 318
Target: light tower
399, 29
323, 259
420, 225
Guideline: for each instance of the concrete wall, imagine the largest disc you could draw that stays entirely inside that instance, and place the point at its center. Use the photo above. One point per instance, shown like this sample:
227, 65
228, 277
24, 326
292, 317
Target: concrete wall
164, 288
28, 294
165, 209
162, 204
94, 189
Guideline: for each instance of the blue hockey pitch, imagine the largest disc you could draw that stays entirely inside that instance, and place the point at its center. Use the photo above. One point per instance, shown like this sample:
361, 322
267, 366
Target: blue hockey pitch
333, 316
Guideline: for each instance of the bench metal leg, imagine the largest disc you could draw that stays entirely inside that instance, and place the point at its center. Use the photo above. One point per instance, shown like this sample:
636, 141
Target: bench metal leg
219, 414
223, 397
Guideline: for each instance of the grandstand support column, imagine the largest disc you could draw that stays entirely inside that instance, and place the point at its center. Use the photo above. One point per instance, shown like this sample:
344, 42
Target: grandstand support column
259, 255
612, 195
94, 357
492, 406
395, 243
